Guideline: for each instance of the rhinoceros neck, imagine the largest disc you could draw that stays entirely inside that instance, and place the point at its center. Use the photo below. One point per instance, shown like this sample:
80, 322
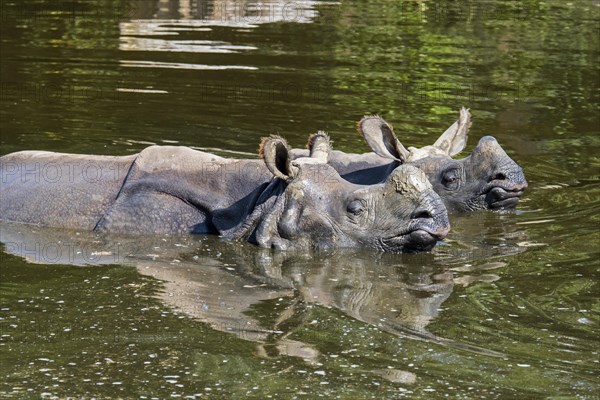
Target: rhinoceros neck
363, 169
198, 177
177, 189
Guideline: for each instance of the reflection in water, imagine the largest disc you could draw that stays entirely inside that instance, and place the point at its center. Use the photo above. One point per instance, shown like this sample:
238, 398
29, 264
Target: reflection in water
168, 18
192, 46
131, 37
155, 64
224, 284
224, 12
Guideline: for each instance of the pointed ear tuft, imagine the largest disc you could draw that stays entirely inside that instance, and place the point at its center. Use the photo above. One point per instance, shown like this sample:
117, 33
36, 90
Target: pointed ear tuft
382, 139
315, 136
454, 139
319, 145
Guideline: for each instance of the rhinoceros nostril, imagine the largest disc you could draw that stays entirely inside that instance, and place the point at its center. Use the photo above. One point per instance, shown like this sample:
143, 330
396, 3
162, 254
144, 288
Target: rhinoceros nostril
498, 177
421, 214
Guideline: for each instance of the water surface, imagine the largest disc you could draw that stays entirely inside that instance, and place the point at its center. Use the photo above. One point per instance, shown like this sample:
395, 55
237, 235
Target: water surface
507, 307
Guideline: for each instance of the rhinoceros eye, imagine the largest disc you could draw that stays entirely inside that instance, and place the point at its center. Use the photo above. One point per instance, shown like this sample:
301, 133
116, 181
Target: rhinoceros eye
356, 207
450, 179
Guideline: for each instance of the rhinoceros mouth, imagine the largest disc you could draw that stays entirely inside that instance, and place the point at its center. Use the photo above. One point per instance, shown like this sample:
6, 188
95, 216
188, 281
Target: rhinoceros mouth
499, 197
421, 240
414, 241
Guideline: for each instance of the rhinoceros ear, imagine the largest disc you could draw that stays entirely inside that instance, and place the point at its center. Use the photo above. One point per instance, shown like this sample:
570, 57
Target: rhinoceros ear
319, 146
454, 140
277, 155
382, 139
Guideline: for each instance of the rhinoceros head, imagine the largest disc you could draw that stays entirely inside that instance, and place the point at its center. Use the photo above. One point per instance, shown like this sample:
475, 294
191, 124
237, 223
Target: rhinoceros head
312, 206
487, 178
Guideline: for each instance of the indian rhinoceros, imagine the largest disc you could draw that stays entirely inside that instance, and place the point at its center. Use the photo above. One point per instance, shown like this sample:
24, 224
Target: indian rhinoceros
278, 202
487, 179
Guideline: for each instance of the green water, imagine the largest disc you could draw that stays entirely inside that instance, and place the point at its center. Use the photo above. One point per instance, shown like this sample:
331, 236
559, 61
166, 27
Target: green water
507, 307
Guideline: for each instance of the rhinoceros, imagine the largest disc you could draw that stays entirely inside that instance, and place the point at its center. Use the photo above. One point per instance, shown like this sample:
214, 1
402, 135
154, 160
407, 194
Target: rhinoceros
277, 202
487, 179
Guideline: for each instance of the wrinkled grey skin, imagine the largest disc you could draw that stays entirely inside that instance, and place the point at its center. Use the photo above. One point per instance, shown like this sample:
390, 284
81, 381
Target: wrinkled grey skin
487, 179
176, 189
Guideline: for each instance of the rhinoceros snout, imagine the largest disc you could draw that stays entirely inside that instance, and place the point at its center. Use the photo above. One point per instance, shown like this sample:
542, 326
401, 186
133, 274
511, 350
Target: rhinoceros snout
509, 176
503, 179
426, 233
429, 223
433, 220
505, 186
428, 218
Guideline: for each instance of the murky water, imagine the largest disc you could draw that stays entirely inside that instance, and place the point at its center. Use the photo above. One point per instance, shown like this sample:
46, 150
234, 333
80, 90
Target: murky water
507, 307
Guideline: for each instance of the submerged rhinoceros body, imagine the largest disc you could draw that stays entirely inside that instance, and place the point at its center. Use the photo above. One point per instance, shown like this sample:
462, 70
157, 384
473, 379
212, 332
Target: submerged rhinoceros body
176, 189
487, 179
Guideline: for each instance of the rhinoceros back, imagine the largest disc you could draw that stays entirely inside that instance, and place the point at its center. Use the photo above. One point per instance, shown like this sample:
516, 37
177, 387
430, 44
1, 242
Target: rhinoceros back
59, 190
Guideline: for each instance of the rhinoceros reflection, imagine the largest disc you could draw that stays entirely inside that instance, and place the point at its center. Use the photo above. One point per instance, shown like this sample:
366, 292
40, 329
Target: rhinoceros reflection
401, 295
221, 283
